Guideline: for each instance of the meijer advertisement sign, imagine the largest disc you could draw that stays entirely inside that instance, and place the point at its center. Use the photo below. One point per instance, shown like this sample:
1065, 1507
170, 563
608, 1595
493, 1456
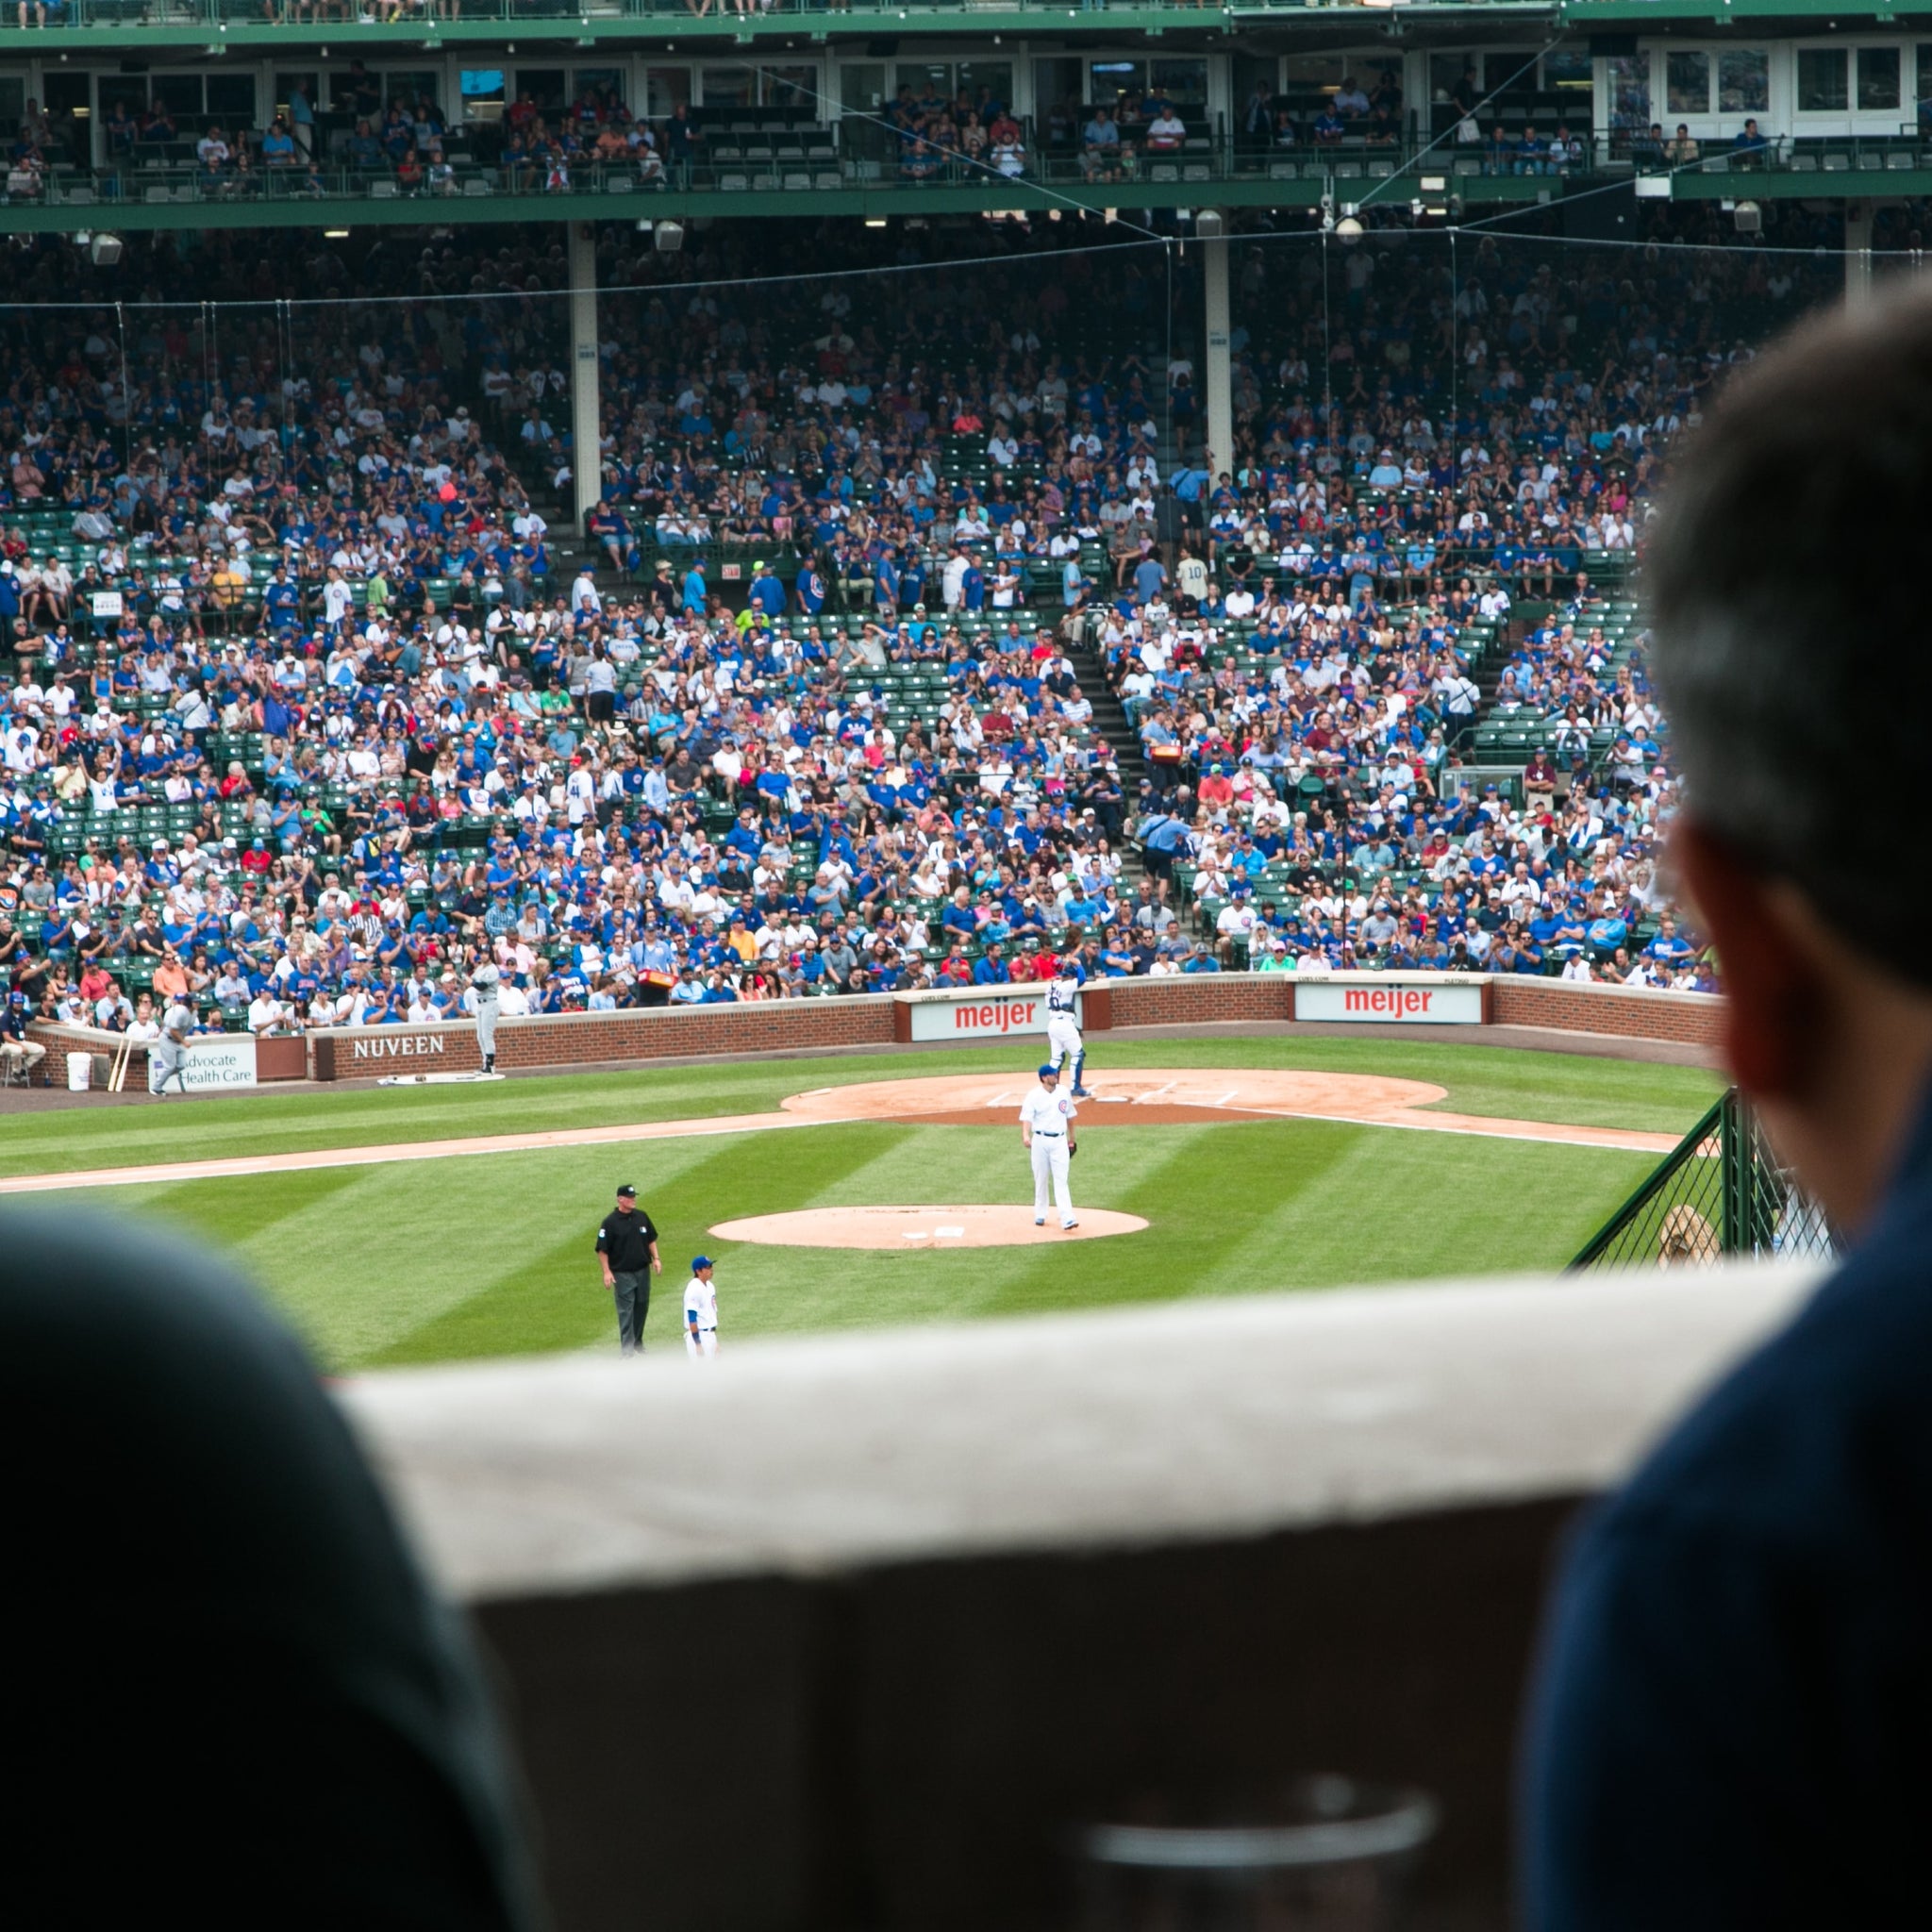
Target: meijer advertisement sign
1404, 1003
982, 1014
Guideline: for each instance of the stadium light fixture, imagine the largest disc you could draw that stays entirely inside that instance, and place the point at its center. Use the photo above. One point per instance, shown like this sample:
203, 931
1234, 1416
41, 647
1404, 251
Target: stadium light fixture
874, 221
335, 234
1434, 184
1348, 230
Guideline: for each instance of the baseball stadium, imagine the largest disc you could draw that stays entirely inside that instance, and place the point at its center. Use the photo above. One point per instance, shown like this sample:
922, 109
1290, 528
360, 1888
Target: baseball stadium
903, 822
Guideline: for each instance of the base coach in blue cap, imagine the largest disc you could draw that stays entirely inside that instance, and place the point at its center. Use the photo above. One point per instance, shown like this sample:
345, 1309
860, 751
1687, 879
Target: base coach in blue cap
627, 1253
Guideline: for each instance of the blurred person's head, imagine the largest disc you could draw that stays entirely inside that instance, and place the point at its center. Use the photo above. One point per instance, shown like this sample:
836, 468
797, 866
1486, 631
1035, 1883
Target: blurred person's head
1769, 670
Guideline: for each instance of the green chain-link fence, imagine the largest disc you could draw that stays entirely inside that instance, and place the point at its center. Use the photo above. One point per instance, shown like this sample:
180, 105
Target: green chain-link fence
1719, 1191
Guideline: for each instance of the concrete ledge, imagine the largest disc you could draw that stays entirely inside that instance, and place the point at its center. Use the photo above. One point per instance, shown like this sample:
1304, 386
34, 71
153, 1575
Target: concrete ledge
847, 1633
1191, 1420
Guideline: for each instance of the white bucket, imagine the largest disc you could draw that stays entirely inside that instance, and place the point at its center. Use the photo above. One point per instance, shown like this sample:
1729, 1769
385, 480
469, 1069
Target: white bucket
80, 1072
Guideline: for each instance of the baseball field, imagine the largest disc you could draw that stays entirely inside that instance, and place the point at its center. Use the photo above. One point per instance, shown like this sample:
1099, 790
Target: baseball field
428, 1224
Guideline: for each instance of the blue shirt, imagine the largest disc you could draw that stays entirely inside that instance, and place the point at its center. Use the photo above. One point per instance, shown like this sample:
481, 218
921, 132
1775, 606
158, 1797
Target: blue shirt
1729, 1729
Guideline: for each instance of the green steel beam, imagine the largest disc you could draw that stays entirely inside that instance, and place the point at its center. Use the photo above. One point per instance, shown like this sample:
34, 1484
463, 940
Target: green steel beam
1860, 184
1649, 15
671, 21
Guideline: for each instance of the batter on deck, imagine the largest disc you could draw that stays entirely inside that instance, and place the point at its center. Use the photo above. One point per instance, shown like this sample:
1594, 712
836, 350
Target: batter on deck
1063, 1042
1046, 1131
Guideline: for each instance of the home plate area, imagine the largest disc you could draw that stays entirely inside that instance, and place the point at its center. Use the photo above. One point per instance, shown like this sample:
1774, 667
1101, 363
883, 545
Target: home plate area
919, 1230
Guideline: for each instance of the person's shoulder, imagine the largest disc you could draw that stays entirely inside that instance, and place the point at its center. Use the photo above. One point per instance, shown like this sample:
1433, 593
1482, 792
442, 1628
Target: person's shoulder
1824, 1429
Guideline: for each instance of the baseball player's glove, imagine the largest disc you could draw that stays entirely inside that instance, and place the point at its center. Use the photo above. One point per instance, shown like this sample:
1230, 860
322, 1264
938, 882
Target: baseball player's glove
1073, 1148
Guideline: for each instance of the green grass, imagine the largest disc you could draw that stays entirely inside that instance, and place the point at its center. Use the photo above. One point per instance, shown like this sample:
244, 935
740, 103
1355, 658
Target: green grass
1487, 1080
491, 1254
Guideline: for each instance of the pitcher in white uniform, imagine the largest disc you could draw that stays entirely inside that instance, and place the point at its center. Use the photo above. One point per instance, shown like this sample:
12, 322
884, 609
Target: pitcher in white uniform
1063, 1042
700, 1311
1046, 1131
484, 982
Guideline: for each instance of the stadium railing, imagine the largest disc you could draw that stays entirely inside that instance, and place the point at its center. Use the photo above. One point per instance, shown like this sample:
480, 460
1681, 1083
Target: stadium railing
812, 160
1720, 1192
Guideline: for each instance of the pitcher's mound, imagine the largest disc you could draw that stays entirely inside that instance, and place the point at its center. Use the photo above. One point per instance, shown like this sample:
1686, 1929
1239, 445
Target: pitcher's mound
920, 1229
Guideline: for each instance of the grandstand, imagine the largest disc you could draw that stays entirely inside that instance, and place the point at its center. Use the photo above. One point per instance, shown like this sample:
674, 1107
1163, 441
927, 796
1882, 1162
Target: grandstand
1160, 482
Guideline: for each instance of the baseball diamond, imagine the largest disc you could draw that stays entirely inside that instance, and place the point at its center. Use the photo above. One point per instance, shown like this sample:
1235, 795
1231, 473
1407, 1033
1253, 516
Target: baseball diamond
1239, 1163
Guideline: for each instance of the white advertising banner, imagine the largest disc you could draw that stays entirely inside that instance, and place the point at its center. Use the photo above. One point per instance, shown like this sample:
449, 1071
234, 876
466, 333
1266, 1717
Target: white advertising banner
221, 1059
1405, 1003
985, 1013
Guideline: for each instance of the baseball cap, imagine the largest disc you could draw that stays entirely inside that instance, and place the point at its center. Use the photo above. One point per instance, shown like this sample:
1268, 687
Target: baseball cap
1047, 1067
626, 1191
698, 1261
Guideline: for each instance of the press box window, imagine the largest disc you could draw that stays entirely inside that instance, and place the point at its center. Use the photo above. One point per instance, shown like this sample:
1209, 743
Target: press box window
1822, 84
1878, 80
1687, 83
1743, 82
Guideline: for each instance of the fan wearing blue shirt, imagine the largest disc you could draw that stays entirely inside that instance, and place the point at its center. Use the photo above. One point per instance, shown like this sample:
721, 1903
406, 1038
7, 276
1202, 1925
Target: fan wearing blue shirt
1730, 1727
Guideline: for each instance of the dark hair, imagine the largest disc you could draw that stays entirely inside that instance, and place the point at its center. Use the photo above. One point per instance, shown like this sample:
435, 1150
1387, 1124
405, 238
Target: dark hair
1794, 710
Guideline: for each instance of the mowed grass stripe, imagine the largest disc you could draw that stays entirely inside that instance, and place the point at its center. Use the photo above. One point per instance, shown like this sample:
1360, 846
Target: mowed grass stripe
244, 1206
551, 1297
1560, 1087
493, 1255
1393, 1207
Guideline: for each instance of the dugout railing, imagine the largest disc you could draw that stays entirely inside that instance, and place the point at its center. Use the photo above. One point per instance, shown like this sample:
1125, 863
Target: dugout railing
1720, 1192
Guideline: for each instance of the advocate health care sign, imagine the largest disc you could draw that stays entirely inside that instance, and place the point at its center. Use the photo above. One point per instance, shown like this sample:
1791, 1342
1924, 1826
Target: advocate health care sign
1405, 1004
221, 1059
980, 1015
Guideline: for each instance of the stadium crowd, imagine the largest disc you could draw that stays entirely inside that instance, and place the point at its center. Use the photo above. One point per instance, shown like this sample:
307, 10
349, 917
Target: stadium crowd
352, 729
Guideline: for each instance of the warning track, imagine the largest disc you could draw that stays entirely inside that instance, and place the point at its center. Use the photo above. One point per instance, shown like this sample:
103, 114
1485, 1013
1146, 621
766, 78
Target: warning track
1142, 1097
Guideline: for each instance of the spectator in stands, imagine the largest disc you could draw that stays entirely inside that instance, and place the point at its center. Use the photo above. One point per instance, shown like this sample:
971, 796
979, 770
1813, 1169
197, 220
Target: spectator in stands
304, 1685
681, 140
302, 119
1101, 145
1165, 132
1740, 1622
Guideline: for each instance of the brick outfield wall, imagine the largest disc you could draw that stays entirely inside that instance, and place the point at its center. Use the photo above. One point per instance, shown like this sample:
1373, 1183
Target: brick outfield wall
1609, 1011
795, 1025
62, 1041
584, 1038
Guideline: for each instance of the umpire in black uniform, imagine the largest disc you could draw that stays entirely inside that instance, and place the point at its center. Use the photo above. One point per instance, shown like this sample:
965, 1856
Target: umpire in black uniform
627, 1253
